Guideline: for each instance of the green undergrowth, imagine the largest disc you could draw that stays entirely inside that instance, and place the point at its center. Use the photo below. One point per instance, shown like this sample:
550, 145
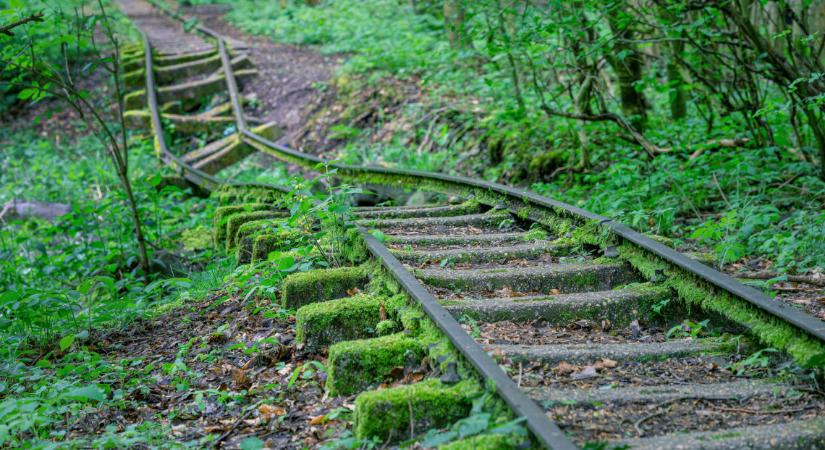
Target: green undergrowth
65, 283
461, 109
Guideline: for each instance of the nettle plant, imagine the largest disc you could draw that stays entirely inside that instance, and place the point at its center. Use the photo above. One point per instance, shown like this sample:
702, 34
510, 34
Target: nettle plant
320, 217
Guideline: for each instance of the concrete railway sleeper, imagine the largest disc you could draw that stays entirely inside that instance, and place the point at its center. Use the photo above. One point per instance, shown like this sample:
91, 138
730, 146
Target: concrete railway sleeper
571, 319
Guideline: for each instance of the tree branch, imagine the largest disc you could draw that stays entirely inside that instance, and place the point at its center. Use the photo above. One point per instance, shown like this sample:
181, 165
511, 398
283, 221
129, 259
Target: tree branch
6, 29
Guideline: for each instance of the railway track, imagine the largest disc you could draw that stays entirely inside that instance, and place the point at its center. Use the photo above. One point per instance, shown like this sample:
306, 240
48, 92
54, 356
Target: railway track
592, 334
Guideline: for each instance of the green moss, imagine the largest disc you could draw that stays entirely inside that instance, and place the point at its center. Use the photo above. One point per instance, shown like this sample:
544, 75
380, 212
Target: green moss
386, 327
248, 232
770, 330
321, 324
485, 442
223, 213
197, 238
403, 412
319, 285
536, 234
355, 365
230, 194
264, 244
135, 99
235, 221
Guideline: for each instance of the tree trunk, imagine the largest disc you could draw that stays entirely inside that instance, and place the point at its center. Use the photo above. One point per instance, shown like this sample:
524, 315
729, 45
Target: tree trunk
628, 67
676, 82
454, 23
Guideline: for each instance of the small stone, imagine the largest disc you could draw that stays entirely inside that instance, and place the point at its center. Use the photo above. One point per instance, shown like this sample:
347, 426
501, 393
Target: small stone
610, 252
635, 329
587, 372
450, 375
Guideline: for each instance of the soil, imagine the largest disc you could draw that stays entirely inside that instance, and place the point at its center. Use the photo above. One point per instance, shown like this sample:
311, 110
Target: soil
240, 361
697, 369
579, 332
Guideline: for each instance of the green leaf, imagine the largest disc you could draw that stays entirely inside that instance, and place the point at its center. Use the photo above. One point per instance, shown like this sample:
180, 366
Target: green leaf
27, 93
252, 443
86, 394
66, 342
286, 263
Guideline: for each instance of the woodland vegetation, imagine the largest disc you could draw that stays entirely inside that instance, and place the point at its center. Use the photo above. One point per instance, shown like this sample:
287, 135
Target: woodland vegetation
700, 121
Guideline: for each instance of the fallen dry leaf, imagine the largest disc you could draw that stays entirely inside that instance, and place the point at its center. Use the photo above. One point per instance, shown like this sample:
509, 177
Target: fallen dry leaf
564, 368
269, 412
317, 420
239, 379
382, 312
606, 363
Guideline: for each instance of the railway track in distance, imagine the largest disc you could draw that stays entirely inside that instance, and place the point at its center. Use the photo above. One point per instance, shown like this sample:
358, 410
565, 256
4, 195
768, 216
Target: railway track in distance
587, 330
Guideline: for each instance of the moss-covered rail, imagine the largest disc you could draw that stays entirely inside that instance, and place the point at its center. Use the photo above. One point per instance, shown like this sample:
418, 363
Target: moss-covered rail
508, 254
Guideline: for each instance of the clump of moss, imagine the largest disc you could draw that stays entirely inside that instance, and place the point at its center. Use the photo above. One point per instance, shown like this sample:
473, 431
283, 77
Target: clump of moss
355, 365
232, 194
197, 238
486, 441
398, 413
236, 220
266, 243
223, 213
249, 232
301, 289
324, 323
386, 327
536, 234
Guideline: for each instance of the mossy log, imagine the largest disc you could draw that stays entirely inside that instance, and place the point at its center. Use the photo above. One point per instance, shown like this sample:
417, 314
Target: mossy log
235, 150
235, 221
301, 289
190, 94
356, 365
398, 413
187, 124
319, 325
223, 213
165, 75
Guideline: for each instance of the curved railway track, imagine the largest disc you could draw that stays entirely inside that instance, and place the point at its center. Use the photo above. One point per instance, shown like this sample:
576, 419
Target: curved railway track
568, 314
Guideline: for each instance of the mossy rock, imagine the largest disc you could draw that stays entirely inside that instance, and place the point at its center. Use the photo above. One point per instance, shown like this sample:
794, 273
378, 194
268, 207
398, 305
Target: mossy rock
385, 413
235, 222
321, 324
356, 365
485, 442
223, 213
301, 289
